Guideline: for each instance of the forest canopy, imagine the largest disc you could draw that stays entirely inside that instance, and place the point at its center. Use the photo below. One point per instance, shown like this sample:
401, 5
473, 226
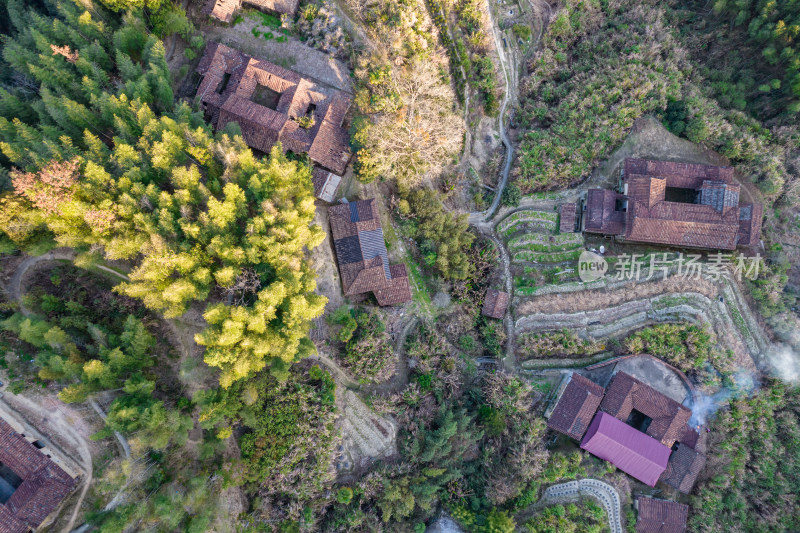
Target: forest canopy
105, 163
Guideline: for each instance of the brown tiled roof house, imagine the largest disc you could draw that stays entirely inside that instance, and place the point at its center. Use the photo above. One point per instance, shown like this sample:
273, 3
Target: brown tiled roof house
576, 407
270, 103
31, 484
685, 464
660, 516
660, 416
567, 220
678, 204
661, 423
224, 10
361, 252
495, 304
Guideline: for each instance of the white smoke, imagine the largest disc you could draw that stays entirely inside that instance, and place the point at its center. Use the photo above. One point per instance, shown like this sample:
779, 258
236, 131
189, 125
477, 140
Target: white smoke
705, 406
784, 363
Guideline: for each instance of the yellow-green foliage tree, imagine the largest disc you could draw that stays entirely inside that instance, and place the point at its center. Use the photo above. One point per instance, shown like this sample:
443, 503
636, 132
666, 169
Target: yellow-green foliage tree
140, 179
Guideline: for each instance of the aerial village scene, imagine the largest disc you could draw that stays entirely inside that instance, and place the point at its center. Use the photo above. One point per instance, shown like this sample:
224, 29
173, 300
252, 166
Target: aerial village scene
413, 266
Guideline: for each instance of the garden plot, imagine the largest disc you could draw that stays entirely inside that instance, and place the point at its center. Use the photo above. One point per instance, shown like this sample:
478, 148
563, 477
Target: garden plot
366, 435
532, 237
525, 219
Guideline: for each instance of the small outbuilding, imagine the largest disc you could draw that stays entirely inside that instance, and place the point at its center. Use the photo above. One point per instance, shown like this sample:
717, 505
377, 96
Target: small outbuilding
685, 464
567, 219
495, 304
224, 10
325, 184
660, 516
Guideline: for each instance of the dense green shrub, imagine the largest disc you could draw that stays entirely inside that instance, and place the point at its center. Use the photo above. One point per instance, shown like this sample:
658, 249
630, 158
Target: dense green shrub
443, 236
584, 517
755, 450
601, 67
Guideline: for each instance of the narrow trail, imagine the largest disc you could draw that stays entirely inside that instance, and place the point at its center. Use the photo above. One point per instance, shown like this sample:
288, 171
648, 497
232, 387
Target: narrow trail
174, 37
479, 218
123, 442
508, 320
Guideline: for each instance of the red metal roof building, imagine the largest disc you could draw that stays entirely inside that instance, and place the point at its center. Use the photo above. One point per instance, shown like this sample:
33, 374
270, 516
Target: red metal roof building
31, 484
660, 516
224, 10
678, 204
361, 252
495, 304
576, 406
630, 400
272, 104
630, 450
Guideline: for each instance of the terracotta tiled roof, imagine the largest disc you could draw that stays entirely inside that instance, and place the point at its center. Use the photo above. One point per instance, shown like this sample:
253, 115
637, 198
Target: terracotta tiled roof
630, 450
576, 407
683, 175
715, 220
325, 184
398, 291
362, 256
601, 215
689, 437
661, 516
228, 91
567, 224
44, 483
223, 10
650, 218
626, 393
495, 303
685, 464
750, 216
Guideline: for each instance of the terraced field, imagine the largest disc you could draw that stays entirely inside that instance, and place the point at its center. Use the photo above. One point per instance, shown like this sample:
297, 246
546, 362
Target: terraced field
532, 237
611, 308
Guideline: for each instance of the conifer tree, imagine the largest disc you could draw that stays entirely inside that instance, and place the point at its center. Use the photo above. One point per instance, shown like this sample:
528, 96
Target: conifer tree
194, 212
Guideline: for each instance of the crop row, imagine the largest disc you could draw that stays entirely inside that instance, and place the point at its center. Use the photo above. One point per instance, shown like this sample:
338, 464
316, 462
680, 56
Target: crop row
546, 257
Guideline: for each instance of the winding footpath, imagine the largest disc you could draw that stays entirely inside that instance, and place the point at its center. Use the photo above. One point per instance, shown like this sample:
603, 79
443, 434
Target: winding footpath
480, 218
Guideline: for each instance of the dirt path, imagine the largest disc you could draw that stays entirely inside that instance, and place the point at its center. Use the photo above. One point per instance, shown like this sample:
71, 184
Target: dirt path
476, 218
174, 38
14, 285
